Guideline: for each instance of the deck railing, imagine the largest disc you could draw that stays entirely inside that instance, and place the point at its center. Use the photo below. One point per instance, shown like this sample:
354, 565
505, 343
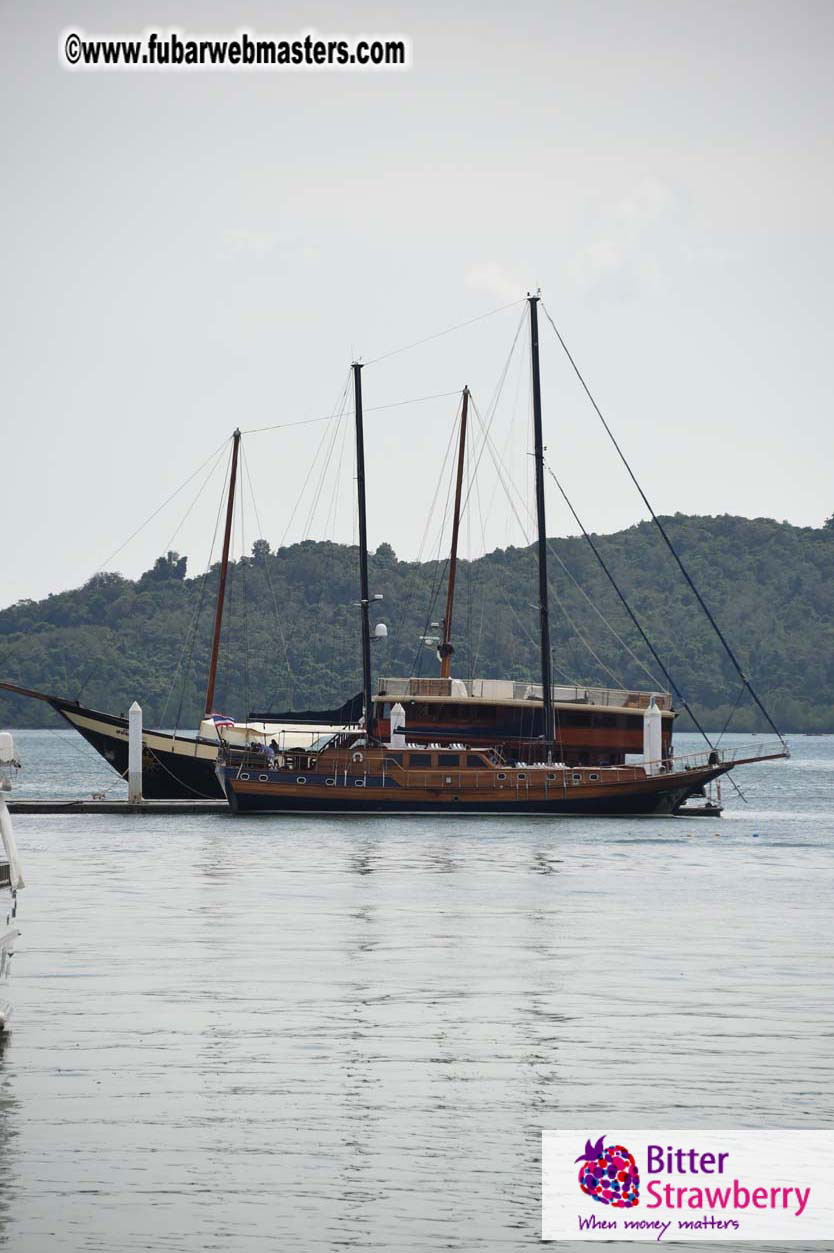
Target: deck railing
350, 769
508, 689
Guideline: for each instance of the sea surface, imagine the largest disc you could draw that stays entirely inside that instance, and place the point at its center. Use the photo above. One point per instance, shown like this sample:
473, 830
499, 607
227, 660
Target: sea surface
310, 1034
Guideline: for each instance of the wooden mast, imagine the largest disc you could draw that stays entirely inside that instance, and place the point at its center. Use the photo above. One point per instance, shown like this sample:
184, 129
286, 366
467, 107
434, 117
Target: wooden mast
544, 618
224, 567
364, 597
445, 648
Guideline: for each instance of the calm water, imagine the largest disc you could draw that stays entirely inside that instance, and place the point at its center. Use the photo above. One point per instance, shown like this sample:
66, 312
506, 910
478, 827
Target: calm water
307, 1034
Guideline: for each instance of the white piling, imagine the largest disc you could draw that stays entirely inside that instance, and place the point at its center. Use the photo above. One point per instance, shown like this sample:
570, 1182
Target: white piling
397, 736
134, 754
652, 738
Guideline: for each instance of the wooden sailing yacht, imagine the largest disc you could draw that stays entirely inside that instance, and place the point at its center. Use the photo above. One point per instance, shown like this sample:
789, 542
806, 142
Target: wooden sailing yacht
594, 726
358, 772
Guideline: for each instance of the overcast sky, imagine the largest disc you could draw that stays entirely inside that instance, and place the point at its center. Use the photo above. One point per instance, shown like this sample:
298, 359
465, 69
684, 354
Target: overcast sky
187, 252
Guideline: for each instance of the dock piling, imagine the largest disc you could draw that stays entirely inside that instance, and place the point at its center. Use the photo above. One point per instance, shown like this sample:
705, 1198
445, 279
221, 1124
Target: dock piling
134, 754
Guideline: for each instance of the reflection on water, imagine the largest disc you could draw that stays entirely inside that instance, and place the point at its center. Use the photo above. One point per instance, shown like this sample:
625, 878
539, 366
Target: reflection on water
303, 1034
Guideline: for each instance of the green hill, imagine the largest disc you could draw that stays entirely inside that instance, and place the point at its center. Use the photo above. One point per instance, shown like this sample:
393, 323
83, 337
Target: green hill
291, 627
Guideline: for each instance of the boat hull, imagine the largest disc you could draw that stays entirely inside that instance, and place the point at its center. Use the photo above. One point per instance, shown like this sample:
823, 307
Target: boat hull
651, 796
174, 767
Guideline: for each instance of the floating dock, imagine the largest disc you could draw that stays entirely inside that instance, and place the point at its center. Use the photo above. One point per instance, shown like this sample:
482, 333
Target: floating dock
47, 806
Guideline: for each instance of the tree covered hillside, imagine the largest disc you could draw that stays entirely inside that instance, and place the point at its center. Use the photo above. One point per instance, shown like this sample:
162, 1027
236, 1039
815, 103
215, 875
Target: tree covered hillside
291, 630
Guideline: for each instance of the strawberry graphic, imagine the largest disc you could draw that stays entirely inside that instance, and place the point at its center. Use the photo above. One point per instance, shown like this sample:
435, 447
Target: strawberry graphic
609, 1175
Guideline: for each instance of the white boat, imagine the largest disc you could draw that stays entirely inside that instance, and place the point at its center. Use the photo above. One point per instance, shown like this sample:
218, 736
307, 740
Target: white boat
11, 880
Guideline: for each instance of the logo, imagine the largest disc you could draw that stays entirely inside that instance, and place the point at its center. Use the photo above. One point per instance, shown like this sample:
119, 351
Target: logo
609, 1175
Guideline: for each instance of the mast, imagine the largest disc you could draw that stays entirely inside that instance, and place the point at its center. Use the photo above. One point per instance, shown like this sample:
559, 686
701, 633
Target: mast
445, 649
544, 618
364, 597
224, 567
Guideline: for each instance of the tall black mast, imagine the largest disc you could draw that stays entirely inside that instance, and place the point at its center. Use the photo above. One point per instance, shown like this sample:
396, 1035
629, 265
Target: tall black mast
364, 597
445, 650
544, 618
224, 569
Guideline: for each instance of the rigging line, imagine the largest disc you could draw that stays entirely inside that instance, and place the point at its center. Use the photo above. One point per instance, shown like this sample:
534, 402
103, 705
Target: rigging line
212, 471
664, 671
731, 714
328, 417
440, 568
244, 561
665, 536
336, 408
411, 593
554, 553
493, 406
475, 657
269, 582
638, 661
580, 635
197, 609
333, 432
523, 627
185, 666
418, 343
333, 514
162, 506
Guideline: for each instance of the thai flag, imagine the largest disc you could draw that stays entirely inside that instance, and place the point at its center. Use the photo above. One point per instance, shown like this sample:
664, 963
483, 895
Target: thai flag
220, 720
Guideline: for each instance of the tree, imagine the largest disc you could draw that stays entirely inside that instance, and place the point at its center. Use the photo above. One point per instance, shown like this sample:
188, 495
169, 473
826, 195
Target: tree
171, 566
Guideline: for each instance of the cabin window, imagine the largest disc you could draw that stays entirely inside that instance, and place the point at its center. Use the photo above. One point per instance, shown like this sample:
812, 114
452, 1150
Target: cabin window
330, 782
593, 778
577, 778
448, 759
551, 778
395, 758
477, 762
243, 776
263, 778
521, 777
359, 782
501, 776
301, 779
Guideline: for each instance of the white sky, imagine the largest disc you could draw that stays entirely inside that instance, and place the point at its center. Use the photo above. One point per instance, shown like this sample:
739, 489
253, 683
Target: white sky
187, 252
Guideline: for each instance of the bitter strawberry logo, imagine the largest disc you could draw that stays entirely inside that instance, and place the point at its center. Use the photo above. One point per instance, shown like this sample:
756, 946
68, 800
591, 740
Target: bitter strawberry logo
609, 1175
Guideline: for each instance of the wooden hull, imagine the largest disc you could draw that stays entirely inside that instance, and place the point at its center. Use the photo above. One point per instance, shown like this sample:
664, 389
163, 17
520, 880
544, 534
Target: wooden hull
648, 796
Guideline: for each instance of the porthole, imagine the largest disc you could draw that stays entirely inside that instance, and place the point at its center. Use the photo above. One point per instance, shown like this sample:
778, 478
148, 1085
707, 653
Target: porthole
577, 778
521, 777
301, 779
500, 776
358, 782
551, 778
330, 782
593, 778
243, 776
263, 778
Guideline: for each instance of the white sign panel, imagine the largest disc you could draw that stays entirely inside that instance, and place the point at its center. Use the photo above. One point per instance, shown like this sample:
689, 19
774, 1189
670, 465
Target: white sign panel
687, 1185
